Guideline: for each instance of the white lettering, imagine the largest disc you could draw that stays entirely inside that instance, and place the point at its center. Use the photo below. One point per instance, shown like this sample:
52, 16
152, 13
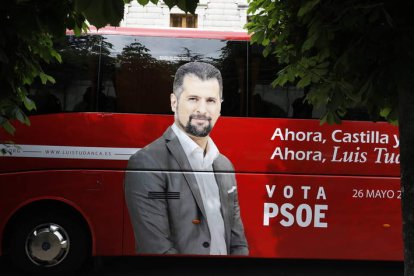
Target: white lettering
308, 215
277, 133
288, 154
270, 190
289, 218
305, 191
383, 156
270, 211
319, 215
321, 193
334, 136
363, 137
356, 156
303, 215
288, 191
300, 136
397, 141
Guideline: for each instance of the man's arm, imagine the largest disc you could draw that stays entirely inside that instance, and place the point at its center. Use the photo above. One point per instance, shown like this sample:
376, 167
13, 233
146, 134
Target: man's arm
148, 212
238, 242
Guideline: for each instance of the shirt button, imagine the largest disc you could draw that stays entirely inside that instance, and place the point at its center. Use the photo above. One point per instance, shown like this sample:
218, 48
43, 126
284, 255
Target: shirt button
206, 244
196, 221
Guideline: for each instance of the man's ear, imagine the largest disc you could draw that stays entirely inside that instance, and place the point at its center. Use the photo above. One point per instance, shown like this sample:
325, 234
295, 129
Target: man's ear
174, 102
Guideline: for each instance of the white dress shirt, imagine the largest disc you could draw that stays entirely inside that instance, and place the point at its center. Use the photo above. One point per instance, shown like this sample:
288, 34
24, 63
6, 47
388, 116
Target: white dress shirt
203, 166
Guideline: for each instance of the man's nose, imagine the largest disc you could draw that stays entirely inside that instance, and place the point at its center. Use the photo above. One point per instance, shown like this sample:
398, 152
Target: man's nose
202, 107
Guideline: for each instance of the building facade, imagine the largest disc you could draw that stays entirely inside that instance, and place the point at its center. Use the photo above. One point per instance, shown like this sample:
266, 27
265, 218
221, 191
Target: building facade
228, 15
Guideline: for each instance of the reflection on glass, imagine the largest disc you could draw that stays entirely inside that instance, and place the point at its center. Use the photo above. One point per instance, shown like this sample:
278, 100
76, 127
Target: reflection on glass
145, 66
121, 73
77, 77
274, 102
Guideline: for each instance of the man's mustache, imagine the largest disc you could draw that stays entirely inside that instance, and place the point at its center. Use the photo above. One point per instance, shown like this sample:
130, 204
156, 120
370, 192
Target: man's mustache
200, 117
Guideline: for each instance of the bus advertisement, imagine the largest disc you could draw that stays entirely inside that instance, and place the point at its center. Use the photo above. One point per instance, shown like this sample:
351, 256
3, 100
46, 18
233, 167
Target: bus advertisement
105, 168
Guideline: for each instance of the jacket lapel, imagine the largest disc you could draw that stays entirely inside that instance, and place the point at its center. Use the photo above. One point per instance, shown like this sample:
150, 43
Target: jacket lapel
221, 179
173, 144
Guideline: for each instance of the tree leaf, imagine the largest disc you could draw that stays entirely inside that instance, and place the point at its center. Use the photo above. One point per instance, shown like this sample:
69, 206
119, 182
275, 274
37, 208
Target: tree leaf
170, 3
310, 42
304, 81
181, 4
143, 2
267, 50
307, 7
45, 78
332, 118
101, 12
323, 119
385, 111
290, 73
8, 127
29, 104
19, 115
265, 41
280, 80
56, 55
187, 6
77, 30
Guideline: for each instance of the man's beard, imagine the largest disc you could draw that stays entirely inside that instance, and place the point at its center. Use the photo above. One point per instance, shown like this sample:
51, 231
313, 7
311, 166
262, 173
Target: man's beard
194, 130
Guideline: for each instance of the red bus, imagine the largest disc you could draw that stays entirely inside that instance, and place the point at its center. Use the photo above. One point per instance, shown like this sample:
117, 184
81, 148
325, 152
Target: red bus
306, 190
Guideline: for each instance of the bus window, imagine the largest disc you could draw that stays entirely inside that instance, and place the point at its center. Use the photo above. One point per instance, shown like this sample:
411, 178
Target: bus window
131, 74
274, 102
139, 71
76, 77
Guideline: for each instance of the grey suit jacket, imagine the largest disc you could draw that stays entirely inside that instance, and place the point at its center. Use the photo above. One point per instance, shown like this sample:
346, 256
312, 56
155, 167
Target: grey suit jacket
165, 204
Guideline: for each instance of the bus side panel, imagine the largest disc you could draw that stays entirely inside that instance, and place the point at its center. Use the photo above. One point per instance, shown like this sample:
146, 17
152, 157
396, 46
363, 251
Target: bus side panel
129, 239
321, 217
252, 144
98, 196
316, 217
11, 198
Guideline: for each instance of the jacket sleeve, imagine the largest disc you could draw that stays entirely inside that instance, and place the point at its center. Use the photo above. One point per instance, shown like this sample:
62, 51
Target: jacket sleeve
148, 209
238, 242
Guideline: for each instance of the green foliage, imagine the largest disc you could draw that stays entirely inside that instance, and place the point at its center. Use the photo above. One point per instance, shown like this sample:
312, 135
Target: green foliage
28, 29
101, 12
185, 5
349, 53
143, 2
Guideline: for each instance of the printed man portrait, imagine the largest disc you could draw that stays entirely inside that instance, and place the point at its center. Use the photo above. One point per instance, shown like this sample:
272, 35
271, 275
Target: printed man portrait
180, 191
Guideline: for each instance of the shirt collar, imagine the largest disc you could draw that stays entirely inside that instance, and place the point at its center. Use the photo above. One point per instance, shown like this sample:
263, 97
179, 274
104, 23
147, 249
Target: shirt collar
190, 146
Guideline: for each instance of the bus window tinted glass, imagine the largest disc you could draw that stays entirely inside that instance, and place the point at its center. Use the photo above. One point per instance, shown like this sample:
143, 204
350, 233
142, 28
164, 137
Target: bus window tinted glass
138, 72
276, 102
283, 102
76, 78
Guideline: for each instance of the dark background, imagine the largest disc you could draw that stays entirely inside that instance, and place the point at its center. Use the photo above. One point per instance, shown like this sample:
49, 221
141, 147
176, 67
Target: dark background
157, 266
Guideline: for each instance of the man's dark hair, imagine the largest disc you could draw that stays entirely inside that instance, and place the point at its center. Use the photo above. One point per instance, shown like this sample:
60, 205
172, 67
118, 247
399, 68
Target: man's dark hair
201, 70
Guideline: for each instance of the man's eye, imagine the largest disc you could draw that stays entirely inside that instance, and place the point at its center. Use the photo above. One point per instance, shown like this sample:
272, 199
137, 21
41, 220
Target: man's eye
213, 101
192, 99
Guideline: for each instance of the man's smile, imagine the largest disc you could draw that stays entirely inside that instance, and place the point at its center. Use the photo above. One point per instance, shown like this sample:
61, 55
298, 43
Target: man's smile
199, 119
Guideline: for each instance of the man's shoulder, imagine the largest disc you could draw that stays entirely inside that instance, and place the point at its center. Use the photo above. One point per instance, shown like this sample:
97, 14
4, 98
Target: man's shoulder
154, 151
222, 163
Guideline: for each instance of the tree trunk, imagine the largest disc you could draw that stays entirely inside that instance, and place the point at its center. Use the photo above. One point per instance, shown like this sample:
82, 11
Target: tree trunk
406, 123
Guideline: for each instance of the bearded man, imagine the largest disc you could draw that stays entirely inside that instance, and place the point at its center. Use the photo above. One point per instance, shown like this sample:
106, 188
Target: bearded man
180, 191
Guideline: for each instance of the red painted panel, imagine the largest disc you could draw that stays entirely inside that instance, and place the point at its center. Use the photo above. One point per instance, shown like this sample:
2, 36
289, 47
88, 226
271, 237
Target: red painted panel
253, 145
317, 217
97, 195
349, 173
172, 32
320, 217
